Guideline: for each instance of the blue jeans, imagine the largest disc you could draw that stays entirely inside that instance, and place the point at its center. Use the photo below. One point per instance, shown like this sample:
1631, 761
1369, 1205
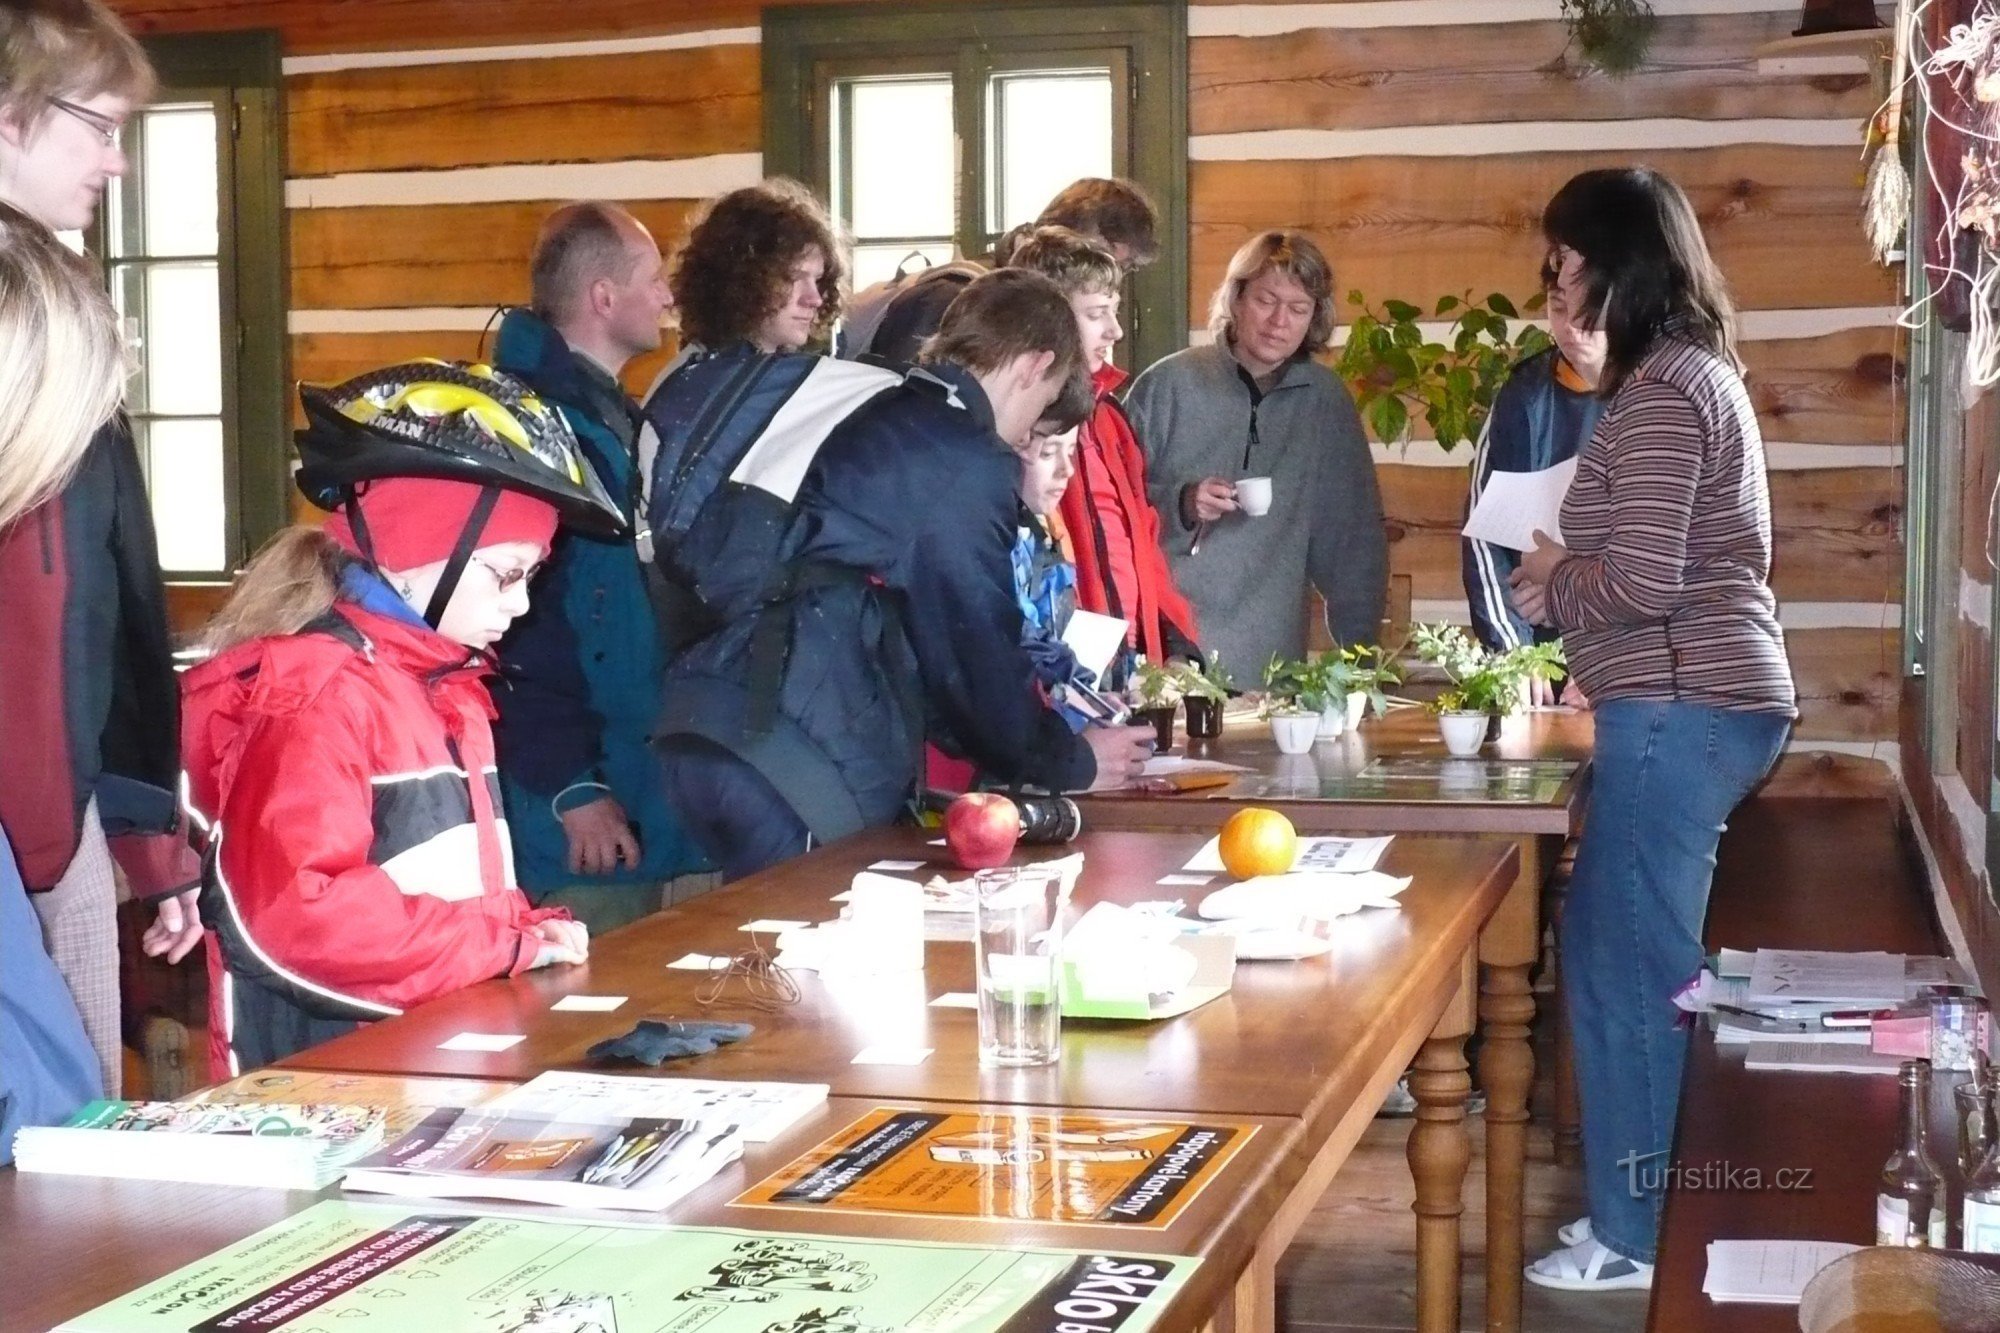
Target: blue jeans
1666, 775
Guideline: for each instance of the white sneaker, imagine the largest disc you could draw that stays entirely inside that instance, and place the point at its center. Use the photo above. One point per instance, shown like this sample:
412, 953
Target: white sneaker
1589, 1266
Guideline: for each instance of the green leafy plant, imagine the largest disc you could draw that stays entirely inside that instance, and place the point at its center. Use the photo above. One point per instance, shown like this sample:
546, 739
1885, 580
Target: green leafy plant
1613, 35
1164, 685
1397, 374
1210, 680
1291, 687
1364, 669
1157, 686
1483, 681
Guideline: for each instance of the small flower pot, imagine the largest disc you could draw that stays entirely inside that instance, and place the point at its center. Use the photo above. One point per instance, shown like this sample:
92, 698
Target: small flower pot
1294, 733
1357, 708
1162, 721
1333, 719
1463, 733
1204, 718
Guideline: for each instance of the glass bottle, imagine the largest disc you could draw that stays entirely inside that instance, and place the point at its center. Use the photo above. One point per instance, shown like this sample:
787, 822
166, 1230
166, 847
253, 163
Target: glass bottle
1910, 1198
1979, 1218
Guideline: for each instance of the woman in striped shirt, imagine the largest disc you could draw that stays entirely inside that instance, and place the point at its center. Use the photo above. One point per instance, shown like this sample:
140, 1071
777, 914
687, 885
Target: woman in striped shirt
1663, 596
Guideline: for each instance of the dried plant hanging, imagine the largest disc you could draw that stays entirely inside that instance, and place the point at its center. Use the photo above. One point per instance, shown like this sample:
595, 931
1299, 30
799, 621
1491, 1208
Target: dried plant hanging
1967, 64
1613, 35
1886, 199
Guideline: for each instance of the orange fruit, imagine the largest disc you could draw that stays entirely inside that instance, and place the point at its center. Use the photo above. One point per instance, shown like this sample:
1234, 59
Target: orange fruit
1258, 842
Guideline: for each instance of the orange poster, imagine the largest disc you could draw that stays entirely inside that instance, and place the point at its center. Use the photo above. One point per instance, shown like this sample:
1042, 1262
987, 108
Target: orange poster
1016, 1166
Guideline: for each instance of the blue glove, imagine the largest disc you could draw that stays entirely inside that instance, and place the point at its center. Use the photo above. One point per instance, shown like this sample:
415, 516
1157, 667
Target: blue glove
654, 1042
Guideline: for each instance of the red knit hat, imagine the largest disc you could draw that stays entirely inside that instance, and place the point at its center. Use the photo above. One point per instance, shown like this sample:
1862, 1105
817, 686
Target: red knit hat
416, 521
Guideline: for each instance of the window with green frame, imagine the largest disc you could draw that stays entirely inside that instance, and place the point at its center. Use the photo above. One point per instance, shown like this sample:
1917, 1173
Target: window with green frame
931, 131
192, 245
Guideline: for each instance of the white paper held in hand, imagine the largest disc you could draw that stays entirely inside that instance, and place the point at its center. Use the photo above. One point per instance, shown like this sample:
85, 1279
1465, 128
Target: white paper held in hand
482, 1041
1095, 640
1513, 506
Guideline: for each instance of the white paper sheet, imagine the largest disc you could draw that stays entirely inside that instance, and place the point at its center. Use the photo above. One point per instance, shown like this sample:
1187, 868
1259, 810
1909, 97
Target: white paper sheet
892, 1055
1768, 1272
482, 1041
1095, 640
1794, 976
699, 962
588, 1004
956, 999
1515, 505
1165, 765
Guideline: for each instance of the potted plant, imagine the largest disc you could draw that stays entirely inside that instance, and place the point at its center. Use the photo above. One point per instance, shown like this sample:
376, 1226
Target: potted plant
1349, 680
1484, 686
1156, 693
1292, 704
1205, 689
1397, 372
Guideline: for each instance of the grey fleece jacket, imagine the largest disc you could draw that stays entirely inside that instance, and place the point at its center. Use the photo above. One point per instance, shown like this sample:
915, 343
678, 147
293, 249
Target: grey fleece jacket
1193, 413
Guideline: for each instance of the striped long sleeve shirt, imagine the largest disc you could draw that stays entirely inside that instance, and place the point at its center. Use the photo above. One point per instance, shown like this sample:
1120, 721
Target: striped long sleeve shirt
1666, 594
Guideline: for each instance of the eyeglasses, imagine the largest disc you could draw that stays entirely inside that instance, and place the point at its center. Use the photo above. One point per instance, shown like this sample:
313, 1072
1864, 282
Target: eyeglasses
106, 128
507, 578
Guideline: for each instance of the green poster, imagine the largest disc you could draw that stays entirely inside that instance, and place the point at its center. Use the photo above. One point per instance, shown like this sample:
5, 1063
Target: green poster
350, 1268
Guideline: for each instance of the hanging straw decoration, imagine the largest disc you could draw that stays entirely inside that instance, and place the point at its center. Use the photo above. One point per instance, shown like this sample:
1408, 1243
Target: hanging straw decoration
1969, 59
1886, 200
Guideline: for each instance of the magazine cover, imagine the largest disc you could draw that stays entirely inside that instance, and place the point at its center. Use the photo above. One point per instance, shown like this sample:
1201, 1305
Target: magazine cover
405, 1099
1043, 1167
491, 1154
337, 1267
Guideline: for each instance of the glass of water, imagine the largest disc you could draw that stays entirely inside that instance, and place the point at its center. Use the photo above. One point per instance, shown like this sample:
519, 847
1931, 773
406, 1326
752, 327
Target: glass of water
1017, 949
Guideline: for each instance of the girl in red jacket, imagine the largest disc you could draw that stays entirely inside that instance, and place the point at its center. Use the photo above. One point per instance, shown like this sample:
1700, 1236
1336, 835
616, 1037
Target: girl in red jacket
337, 744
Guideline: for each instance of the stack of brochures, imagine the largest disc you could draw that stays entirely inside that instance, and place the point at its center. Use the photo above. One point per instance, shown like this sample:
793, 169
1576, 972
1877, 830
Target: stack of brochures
301, 1146
645, 1162
587, 1140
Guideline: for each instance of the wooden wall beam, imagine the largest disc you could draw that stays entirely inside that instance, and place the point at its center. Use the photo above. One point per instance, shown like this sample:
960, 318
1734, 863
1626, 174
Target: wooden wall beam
1700, 67
1782, 220
601, 108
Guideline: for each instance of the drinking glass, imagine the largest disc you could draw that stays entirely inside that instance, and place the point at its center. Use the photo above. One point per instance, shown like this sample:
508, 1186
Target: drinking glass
1017, 949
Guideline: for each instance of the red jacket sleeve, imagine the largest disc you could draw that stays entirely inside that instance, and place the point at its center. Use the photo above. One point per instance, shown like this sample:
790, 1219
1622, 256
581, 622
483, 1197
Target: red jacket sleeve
296, 831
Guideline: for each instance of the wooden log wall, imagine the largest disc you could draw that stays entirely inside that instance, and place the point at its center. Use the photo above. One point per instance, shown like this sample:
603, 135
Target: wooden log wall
1417, 139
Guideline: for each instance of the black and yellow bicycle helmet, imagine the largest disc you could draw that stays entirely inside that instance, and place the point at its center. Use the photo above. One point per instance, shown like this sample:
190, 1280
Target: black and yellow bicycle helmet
452, 421
456, 421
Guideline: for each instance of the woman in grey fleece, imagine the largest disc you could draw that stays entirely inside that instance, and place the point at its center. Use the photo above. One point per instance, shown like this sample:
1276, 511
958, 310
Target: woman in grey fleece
1255, 404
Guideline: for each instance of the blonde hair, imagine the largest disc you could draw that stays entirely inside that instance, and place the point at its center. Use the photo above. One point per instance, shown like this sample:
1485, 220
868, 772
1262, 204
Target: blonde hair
64, 373
1293, 254
289, 584
66, 48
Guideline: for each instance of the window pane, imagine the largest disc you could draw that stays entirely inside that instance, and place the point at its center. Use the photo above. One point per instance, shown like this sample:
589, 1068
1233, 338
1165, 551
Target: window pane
128, 293
897, 142
184, 471
877, 263
183, 350
1050, 129
177, 181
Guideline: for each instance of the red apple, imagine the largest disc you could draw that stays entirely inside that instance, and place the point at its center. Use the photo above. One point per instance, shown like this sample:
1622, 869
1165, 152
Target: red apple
981, 828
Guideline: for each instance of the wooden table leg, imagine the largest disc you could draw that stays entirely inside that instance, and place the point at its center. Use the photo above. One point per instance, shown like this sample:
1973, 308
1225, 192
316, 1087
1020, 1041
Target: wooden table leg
1440, 1151
1508, 948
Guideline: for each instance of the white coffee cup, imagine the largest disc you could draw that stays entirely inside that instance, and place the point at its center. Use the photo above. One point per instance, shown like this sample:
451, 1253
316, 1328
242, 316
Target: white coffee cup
1253, 496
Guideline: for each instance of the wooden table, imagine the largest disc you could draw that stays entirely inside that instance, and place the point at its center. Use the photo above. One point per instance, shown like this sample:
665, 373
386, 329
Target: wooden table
1344, 786
74, 1243
1793, 873
1320, 1041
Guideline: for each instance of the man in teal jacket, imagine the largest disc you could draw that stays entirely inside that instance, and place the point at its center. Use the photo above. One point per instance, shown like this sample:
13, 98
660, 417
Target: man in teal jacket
582, 670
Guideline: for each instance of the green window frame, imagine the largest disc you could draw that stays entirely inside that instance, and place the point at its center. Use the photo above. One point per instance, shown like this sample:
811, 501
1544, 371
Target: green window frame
809, 50
238, 75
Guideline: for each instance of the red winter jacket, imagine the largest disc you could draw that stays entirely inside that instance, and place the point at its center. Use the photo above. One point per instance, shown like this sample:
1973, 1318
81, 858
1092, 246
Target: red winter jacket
1116, 532
352, 869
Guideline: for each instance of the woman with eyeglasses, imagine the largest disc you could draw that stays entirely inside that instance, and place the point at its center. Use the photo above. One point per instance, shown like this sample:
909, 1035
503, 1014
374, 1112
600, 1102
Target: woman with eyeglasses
80, 589
338, 743
1664, 600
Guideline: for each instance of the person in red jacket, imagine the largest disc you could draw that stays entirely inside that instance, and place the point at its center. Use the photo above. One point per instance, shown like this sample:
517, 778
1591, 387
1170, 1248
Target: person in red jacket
1121, 570
338, 744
